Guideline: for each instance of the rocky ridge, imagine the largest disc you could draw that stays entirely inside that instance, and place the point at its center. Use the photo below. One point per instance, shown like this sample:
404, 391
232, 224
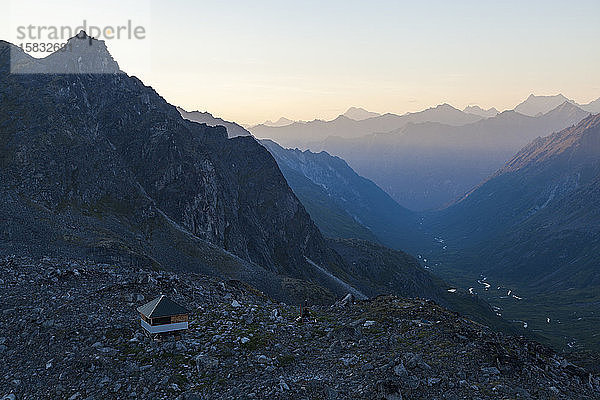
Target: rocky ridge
233, 129
69, 330
98, 165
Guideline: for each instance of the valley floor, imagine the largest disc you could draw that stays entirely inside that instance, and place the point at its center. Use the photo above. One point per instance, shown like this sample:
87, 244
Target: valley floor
566, 320
70, 329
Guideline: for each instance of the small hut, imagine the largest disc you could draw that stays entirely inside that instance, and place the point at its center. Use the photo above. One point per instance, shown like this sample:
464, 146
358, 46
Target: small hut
163, 316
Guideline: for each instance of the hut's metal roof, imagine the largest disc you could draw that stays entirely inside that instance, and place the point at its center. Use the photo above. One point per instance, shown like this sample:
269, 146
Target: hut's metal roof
161, 307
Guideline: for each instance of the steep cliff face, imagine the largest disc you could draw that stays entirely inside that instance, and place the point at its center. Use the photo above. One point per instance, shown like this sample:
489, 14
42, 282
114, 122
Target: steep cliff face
107, 148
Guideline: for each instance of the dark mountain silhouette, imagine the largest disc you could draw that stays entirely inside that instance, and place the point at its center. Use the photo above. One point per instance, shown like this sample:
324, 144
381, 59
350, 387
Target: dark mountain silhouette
100, 166
233, 129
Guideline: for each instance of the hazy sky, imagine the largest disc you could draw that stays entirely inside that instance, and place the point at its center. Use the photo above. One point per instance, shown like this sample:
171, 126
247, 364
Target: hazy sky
254, 60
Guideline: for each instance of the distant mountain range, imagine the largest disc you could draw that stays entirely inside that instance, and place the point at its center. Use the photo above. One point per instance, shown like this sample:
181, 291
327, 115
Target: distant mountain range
279, 123
428, 165
357, 122
491, 112
233, 129
355, 113
301, 134
426, 160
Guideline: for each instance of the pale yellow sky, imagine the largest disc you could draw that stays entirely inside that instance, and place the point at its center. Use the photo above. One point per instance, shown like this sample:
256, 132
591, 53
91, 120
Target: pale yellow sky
252, 61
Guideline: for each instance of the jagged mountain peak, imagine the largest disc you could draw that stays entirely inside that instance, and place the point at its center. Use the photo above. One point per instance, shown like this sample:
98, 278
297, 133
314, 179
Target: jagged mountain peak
340, 117
510, 114
282, 121
359, 114
81, 54
560, 96
537, 105
477, 110
446, 106
443, 110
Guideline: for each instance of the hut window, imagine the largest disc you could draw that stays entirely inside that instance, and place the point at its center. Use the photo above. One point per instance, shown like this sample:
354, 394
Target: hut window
161, 321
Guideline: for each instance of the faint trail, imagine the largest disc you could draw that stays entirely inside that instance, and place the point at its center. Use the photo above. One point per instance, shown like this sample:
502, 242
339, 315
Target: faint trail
358, 294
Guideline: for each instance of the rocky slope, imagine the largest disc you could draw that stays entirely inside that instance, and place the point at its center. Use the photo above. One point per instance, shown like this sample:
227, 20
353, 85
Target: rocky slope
386, 271
69, 329
331, 218
99, 165
336, 185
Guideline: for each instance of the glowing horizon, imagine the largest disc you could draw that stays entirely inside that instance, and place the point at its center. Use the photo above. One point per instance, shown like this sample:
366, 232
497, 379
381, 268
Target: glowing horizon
254, 62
